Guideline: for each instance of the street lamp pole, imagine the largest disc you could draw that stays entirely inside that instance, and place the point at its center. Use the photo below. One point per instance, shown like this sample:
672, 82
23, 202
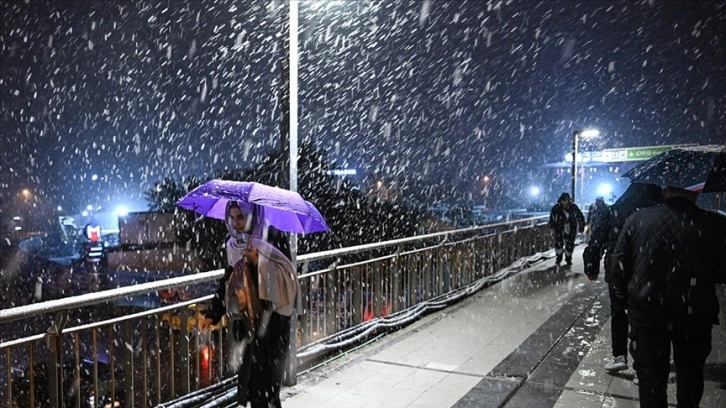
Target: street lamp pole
575, 136
289, 129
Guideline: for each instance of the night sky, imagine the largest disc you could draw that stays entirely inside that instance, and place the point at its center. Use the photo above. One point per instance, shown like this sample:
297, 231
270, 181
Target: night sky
432, 92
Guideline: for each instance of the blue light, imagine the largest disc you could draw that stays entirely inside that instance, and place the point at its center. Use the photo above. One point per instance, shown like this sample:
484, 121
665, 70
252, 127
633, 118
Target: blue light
604, 189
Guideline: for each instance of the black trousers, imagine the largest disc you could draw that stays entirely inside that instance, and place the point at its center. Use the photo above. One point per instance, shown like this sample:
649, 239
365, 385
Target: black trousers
651, 349
263, 363
618, 325
564, 243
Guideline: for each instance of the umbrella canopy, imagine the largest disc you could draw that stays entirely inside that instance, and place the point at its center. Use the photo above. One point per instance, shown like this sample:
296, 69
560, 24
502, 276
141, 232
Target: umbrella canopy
696, 168
284, 209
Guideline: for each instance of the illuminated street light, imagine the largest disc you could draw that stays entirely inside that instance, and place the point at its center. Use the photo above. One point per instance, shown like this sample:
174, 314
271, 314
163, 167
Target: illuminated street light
26, 193
604, 190
534, 191
586, 133
486, 179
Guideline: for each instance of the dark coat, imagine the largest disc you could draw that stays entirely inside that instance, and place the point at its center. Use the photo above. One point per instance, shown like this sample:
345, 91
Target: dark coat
607, 227
596, 211
570, 217
667, 261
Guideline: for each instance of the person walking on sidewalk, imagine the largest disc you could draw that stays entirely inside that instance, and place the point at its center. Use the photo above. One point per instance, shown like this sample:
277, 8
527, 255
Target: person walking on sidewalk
604, 235
664, 269
566, 220
260, 302
596, 213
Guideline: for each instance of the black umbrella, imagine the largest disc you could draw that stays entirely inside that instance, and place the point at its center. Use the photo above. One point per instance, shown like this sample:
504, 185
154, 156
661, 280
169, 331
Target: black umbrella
696, 168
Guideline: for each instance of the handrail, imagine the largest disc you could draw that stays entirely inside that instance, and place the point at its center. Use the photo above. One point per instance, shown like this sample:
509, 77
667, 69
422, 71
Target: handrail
87, 299
347, 298
21, 312
378, 245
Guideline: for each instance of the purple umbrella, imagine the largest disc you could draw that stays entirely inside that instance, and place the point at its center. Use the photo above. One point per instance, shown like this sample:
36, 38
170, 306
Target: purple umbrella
284, 209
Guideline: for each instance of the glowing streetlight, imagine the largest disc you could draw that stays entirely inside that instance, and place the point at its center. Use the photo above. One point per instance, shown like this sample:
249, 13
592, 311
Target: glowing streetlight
486, 179
26, 193
604, 190
586, 133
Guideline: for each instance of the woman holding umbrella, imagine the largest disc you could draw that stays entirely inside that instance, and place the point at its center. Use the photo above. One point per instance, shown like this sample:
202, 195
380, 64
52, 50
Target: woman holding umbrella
260, 282
258, 260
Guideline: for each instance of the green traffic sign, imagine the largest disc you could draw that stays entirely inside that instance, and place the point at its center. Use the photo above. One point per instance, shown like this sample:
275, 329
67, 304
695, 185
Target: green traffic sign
645, 153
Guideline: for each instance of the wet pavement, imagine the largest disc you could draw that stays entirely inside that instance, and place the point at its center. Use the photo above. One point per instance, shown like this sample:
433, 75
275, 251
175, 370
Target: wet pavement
537, 339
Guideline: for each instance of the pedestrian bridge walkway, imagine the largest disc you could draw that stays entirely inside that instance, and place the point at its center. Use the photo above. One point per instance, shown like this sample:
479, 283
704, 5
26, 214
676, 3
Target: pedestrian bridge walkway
537, 339
482, 324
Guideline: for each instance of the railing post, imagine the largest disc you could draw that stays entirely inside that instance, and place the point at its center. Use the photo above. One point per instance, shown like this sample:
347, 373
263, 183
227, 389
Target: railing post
290, 374
127, 339
157, 338
144, 366
411, 280
55, 360
357, 303
196, 334
428, 271
378, 291
445, 271
498, 259
185, 353
304, 315
331, 302
398, 281
220, 354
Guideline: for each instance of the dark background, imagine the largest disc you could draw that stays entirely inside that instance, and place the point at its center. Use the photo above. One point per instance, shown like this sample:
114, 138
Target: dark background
429, 96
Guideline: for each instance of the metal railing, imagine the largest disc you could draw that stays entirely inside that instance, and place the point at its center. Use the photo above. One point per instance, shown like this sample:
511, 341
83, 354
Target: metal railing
145, 357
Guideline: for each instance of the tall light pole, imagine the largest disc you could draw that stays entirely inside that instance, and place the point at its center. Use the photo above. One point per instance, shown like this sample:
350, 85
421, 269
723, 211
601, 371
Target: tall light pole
486, 180
575, 136
289, 144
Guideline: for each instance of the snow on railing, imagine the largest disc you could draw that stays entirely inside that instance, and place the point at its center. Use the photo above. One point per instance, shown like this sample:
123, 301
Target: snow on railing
346, 303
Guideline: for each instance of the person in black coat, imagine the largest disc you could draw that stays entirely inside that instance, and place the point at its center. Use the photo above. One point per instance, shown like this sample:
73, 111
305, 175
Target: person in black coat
604, 235
566, 221
596, 213
663, 270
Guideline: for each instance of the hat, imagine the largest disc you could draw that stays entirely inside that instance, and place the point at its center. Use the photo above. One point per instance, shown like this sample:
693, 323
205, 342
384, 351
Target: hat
565, 197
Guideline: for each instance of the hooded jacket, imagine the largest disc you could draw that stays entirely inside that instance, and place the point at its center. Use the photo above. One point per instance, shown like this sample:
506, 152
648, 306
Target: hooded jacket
667, 261
568, 220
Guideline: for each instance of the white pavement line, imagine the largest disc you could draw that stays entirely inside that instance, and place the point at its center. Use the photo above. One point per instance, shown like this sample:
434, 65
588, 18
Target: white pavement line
426, 368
